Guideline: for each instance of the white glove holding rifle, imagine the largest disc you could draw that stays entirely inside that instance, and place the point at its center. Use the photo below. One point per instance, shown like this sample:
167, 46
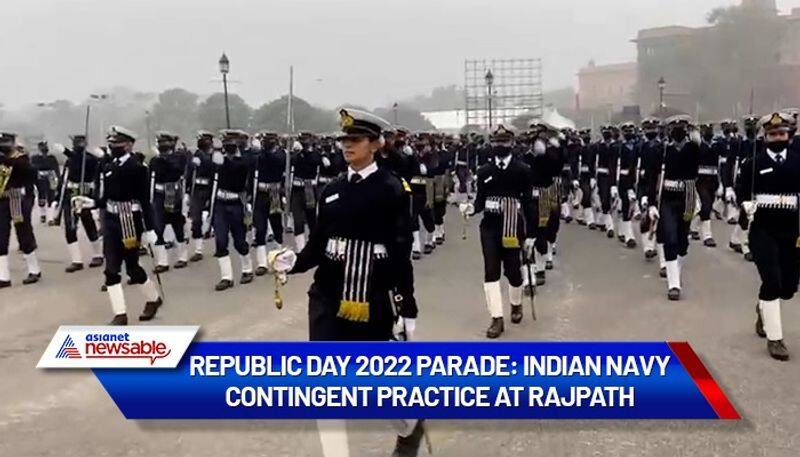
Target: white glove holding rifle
749, 209
466, 209
730, 195
149, 238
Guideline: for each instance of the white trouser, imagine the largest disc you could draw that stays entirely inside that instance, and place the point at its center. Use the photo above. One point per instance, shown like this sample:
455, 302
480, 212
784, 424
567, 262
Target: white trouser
515, 295
494, 298
300, 241
33, 263
162, 258
416, 246
333, 438
247, 263
97, 248
198, 246
648, 244
149, 290
549, 252
588, 216
627, 230
662, 262
5, 275
183, 252
117, 298
705, 229
673, 274
75, 255
261, 256
771, 316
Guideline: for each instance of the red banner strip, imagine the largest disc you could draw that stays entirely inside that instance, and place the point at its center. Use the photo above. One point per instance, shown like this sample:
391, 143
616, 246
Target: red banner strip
707, 385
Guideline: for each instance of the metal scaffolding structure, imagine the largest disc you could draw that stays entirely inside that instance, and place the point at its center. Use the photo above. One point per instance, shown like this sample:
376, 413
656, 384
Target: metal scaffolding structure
516, 90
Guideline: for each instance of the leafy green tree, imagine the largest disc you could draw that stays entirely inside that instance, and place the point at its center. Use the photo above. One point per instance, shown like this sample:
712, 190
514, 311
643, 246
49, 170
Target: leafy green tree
177, 112
307, 118
211, 112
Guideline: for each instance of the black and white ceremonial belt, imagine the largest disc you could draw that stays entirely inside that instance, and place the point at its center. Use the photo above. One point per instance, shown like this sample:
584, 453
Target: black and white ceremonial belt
337, 249
269, 186
776, 201
14, 196
114, 207
13, 192
673, 185
76, 185
419, 180
302, 182
567, 168
202, 181
723, 160
227, 195
325, 179
358, 258
584, 168
44, 173
707, 170
162, 187
535, 193
624, 172
508, 208
602, 170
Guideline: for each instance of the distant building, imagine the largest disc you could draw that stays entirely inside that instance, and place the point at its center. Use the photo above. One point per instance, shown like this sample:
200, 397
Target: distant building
669, 51
608, 87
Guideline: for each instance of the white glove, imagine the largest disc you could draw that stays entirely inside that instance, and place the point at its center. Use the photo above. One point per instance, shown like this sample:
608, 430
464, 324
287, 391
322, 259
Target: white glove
631, 195
410, 327
720, 191
467, 209
614, 192
255, 144
528, 246
218, 158
730, 195
98, 152
196, 161
407, 150
249, 208
576, 184
216, 144
326, 162
653, 213
539, 148
644, 202
750, 209
149, 237
423, 170
81, 203
593, 183
694, 137
554, 142
281, 260
206, 225
59, 148
297, 146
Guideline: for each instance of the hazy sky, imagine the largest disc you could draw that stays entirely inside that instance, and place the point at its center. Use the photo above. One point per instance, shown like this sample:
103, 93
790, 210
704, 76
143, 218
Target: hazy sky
361, 51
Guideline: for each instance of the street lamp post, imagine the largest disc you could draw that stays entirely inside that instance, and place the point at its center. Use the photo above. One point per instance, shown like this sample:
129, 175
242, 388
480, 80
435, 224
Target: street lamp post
489, 82
394, 107
662, 84
224, 67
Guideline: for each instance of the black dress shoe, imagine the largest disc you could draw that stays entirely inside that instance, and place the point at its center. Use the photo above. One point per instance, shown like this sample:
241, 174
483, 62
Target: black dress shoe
32, 278
540, 278
416, 255
246, 278
516, 314
261, 271
150, 310
736, 247
621, 238
73, 267
96, 262
119, 319
630, 244
731, 221
760, 324
748, 257
674, 294
496, 328
568, 219
408, 446
609, 233
650, 253
777, 350
43, 219
592, 226
104, 288
180, 264
169, 245
427, 249
223, 285
662, 273
695, 235
709, 243
4, 284
196, 257
548, 265
581, 222
161, 269
439, 241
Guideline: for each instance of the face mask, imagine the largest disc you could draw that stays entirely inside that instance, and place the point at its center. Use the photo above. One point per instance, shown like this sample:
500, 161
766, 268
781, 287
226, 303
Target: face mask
164, 148
203, 144
44, 151
5, 148
606, 136
651, 135
501, 150
708, 136
230, 148
399, 144
777, 146
586, 139
678, 134
630, 136
117, 151
79, 148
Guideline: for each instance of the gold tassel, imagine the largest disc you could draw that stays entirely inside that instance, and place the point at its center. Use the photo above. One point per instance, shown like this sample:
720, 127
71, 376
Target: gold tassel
353, 311
543, 221
510, 242
797, 244
130, 243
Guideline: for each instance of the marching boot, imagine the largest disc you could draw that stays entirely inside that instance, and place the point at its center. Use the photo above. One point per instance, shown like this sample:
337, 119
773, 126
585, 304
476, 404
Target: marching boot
5, 274
198, 251
429, 244
673, 271
588, 218
226, 274
648, 246
183, 254
261, 260
161, 259
117, 299
736, 239
609, 225
662, 263
153, 302
247, 269
627, 234
708, 237
760, 321
408, 446
97, 254
548, 262
527, 287
540, 270
416, 247
439, 235
75, 258
494, 303
771, 314
748, 256
34, 272
515, 298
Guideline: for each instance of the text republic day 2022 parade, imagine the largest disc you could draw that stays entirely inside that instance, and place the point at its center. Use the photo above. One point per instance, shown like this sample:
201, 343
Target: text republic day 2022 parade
363, 204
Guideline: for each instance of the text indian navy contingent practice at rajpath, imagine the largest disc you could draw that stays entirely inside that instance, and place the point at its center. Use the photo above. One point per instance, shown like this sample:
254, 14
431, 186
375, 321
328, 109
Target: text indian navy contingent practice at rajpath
364, 204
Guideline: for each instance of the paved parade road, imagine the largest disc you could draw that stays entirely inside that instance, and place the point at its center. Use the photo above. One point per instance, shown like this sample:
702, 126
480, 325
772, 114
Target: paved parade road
599, 291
